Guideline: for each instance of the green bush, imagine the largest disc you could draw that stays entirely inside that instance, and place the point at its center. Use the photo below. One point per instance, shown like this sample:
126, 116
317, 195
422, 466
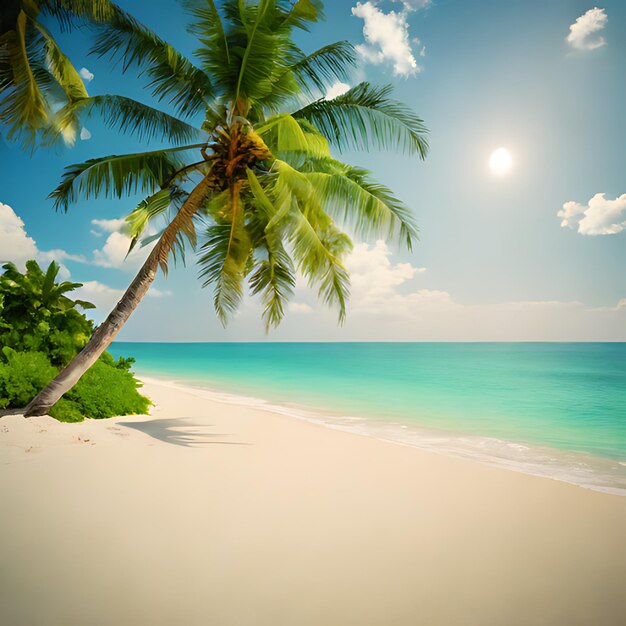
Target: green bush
37, 316
66, 411
41, 330
22, 375
106, 390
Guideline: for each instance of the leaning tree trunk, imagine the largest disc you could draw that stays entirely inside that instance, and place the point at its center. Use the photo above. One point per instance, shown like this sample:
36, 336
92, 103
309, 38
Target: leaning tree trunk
106, 332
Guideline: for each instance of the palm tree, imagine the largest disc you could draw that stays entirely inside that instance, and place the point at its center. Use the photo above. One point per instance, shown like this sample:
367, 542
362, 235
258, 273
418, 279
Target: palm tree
259, 181
35, 75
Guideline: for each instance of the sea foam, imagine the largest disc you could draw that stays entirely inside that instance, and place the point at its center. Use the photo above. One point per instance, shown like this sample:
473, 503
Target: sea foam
573, 467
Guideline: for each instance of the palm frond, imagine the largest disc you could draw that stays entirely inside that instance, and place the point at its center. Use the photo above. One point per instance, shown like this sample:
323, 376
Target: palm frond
172, 77
118, 175
130, 116
67, 12
335, 282
318, 245
366, 117
283, 133
274, 278
319, 258
23, 107
61, 67
258, 60
320, 68
245, 49
224, 257
222, 270
274, 274
301, 13
367, 206
149, 209
214, 55
35, 75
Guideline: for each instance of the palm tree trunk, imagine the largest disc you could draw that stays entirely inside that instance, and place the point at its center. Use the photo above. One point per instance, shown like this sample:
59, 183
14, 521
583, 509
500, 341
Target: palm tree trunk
106, 332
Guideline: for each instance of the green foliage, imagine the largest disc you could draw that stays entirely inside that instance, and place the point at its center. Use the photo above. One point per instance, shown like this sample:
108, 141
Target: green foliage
41, 331
22, 375
66, 411
117, 175
36, 315
122, 363
107, 390
365, 117
171, 76
35, 75
328, 64
136, 118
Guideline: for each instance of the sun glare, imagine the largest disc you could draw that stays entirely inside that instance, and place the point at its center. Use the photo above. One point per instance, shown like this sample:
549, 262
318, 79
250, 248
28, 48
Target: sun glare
500, 162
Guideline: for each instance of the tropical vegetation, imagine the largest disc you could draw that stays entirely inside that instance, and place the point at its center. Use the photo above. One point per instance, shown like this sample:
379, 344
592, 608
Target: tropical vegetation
35, 75
41, 330
36, 315
249, 178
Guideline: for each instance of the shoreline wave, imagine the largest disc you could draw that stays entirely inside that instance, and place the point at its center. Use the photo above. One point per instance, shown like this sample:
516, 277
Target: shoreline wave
577, 468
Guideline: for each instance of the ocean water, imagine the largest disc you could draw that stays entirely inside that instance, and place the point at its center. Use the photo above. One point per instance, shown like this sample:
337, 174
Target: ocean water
550, 409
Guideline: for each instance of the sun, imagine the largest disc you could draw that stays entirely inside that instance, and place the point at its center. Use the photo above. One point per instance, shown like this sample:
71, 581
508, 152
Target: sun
500, 162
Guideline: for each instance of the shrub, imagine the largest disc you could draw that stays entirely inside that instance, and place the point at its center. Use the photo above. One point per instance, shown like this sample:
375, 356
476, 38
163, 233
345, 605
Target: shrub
22, 375
41, 330
37, 316
66, 411
106, 390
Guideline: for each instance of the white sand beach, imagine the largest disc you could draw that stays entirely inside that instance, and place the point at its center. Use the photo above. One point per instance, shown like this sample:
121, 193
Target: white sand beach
212, 513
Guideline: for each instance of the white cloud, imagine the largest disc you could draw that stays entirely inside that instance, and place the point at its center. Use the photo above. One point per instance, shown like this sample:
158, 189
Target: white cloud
85, 135
599, 217
570, 214
374, 280
336, 89
159, 293
414, 5
387, 38
387, 305
59, 256
85, 74
299, 307
110, 226
114, 252
582, 31
45, 258
103, 296
15, 245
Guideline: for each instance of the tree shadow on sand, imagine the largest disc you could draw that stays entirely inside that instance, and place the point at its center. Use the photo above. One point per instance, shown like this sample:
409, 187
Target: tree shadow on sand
181, 432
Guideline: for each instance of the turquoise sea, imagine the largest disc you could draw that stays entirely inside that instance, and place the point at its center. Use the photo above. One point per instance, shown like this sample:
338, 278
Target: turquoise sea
551, 409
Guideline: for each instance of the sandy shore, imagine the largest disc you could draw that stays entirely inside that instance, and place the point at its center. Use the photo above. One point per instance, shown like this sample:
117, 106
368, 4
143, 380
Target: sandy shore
208, 513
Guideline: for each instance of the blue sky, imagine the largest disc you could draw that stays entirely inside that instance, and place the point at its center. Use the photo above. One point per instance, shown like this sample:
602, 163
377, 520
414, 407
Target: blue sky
493, 261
